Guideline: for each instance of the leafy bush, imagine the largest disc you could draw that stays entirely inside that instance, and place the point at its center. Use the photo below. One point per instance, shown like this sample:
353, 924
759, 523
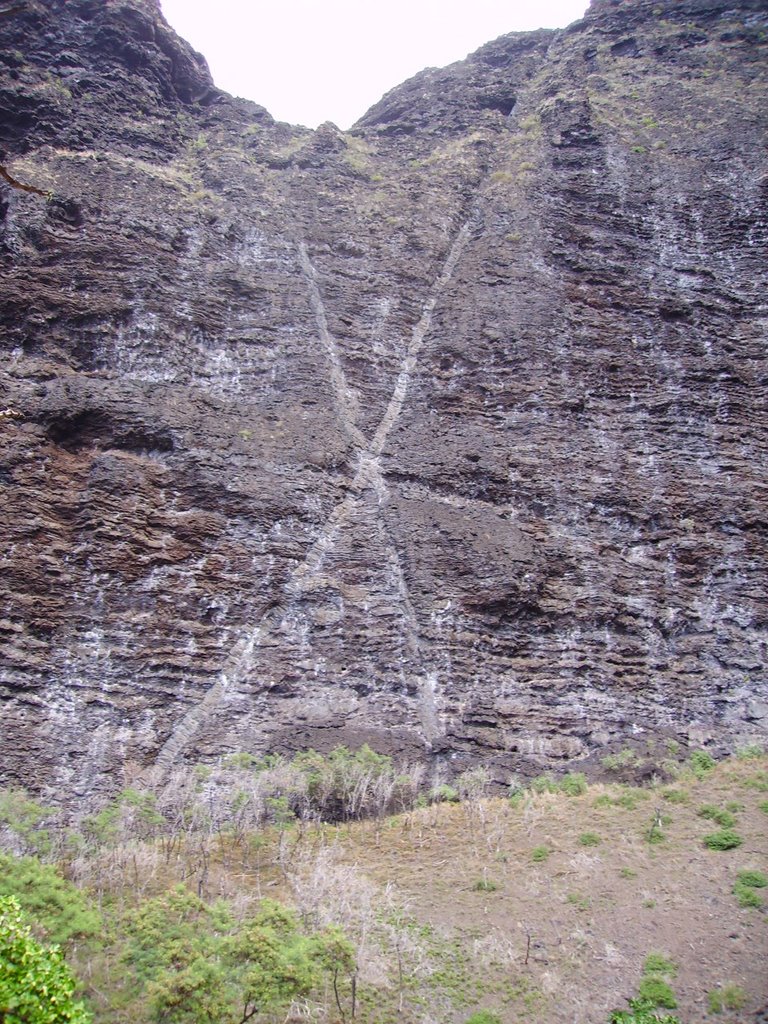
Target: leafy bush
484, 1017
723, 818
443, 794
574, 784
641, 1012
589, 839
674, 796
197, 963
539, 853
36, 986
753, 879
658, 963
729, 997
544, 784
21, 820
758, 781
701, 763
750, 751
484, 885
744, 888
746, 897
724, 839
626, 758
656, 991
59, 909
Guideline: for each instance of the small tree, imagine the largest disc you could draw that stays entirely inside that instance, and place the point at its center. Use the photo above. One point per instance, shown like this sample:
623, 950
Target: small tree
36, 986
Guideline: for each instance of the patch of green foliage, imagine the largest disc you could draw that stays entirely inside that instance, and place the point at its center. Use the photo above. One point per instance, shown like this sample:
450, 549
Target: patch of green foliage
659, 963
59, 909
539, 854
701, 763
656, 991
641, 1012
724, 839
23, 818
443, 794
729, 997
484, 885
750, 751
198, 964
484, 1017
578, 901
744, 888
589, 839
625, 758
574, 784
36, 985
543, 784
752, 878
675, 796
747, 898
723, 818
758, 781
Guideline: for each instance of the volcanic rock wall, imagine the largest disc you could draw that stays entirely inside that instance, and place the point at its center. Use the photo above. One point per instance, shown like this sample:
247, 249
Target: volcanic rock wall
446, 434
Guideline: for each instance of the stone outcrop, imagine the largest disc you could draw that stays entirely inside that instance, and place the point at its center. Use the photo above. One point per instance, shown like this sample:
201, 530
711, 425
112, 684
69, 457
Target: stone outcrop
447, 433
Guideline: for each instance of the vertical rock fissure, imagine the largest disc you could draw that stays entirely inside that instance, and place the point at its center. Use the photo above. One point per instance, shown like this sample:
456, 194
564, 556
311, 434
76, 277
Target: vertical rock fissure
367, 476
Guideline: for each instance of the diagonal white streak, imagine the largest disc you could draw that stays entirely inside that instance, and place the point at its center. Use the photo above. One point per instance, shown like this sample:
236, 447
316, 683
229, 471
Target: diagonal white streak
420, 332
344, 399
368, 476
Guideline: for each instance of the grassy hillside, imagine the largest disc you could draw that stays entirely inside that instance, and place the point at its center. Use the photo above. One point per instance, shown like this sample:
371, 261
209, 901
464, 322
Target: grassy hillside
557, 904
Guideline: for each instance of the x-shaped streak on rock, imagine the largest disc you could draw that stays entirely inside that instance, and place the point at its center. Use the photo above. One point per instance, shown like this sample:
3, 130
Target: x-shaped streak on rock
368, 476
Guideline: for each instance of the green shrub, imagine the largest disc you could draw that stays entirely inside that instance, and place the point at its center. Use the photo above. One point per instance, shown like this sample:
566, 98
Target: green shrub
23, 818
753, 879
701, 763
750, 751
658, 963
36, 986
655, 833
59, 909
630, 798
744, 888
574, 784
484, 1017
747, 897
674, 796
443, 794
641, 1012
578, 901
484, 885
539, 853
729, 997
758, 781
763, 806
626, 758
724, 839
589, 839
656, 991
544, 784
723, 818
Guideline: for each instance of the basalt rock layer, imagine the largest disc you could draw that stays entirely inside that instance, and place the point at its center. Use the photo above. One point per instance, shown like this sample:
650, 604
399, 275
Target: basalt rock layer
446, 434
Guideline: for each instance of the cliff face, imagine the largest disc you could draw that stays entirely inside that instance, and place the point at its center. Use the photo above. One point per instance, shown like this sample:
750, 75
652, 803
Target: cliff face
446, 434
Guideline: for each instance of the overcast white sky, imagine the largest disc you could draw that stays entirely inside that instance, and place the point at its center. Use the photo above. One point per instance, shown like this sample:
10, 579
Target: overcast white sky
309, 61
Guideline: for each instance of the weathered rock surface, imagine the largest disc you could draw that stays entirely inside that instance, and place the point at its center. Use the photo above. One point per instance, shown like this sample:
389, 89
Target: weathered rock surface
447, 434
